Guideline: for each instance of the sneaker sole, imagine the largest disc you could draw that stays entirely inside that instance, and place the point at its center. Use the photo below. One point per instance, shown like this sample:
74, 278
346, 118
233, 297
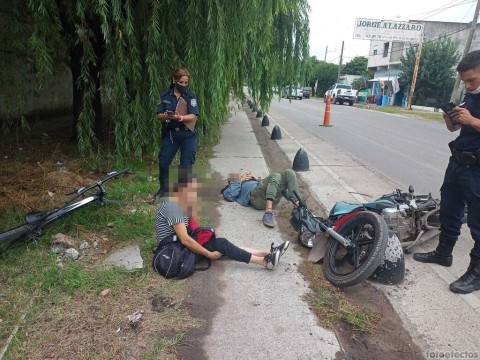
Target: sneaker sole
287, 244
277, 259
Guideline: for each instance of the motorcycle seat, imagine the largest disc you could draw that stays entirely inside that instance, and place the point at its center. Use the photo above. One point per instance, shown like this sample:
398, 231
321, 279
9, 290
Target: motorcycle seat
342, 207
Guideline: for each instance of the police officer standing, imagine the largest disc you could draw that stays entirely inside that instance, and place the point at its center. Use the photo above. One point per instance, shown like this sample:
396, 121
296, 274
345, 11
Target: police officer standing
461, 185
178, 111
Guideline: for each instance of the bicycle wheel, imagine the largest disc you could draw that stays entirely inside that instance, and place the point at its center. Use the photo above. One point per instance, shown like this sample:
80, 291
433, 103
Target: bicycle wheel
347, 266
8, 237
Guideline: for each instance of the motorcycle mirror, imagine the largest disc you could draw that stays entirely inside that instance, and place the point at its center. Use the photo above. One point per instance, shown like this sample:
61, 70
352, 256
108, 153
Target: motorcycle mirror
410, 189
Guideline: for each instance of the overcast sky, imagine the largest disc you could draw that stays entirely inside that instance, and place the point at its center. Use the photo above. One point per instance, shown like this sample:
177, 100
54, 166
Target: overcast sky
333, 23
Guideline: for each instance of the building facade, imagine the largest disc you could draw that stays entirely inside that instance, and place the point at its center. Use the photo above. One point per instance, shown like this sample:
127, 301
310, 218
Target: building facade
384, 57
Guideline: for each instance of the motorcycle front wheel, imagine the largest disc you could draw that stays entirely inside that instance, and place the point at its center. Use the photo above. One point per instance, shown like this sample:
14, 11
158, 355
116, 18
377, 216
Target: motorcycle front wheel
348, 266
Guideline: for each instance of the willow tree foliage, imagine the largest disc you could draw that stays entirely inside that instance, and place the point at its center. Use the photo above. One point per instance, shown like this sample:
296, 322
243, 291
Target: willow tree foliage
122, 53
436, 73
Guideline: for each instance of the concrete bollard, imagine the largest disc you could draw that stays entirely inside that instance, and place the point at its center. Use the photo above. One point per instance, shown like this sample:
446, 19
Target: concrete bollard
300, 162
259, 113
265, 121
276, 133
391, 270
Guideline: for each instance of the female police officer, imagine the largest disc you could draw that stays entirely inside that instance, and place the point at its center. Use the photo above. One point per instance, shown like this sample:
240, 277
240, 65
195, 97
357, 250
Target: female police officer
178, 111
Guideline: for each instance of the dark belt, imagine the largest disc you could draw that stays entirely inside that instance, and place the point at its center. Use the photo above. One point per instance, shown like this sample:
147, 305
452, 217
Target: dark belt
178, 128
467, 158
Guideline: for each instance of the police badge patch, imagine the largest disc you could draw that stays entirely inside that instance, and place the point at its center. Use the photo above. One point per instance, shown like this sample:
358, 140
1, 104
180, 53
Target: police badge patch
193, 102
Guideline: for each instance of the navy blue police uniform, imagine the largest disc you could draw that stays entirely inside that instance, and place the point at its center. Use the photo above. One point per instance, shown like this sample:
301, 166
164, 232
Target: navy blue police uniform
461, 185
176, 135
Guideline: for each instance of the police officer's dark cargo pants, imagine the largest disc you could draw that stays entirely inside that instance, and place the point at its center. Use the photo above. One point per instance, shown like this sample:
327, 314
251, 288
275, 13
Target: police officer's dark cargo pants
172, 140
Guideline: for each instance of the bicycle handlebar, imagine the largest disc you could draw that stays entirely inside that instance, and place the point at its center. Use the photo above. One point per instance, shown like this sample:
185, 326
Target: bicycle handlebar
79, 192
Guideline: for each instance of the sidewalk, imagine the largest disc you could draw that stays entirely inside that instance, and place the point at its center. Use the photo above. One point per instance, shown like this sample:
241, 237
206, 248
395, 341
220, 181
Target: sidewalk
436, 318
263, 315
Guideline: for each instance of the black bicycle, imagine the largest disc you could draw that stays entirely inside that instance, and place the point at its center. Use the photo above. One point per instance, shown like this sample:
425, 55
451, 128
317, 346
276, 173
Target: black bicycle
37, 222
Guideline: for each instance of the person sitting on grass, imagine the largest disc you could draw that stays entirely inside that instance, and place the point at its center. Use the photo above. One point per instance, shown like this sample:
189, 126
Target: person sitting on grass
261, 194
173, 216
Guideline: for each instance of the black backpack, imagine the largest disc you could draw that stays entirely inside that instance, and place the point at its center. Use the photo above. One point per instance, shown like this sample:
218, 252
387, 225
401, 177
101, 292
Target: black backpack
173, 260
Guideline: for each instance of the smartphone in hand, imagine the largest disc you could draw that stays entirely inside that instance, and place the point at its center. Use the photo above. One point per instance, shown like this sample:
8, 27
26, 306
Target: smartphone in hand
447, 109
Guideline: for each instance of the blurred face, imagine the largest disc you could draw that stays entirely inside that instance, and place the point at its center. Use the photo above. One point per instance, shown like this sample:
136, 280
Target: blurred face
471, 79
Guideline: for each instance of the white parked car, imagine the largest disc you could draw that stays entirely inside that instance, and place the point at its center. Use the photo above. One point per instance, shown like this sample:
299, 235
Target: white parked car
293, 92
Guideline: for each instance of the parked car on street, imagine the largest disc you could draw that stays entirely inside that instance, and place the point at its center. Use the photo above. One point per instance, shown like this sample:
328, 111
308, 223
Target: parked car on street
340, 93
306, 92
293, 92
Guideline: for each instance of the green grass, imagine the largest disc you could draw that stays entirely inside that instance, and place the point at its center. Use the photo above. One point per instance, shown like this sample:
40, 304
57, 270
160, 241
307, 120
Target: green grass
166, 348
428, 115
421, 114
32, 281
332, 307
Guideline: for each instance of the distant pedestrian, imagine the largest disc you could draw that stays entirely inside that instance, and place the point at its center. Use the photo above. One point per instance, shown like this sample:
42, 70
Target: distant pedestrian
461, 185
178, 112
261, 194
173, 217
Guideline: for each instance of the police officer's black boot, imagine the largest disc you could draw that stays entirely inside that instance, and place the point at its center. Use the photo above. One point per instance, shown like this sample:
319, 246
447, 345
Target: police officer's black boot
470, 281
162, 177
442, 255
160, 193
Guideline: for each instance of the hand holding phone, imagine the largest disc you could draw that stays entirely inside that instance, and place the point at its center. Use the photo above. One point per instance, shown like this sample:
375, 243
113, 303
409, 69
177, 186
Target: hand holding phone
448, 108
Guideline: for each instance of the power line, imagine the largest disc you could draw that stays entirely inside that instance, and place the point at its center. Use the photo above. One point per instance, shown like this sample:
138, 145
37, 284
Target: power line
442, 8
437, 37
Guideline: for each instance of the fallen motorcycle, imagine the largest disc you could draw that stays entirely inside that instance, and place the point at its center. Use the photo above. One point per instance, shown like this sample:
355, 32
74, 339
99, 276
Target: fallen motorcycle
355, 244
413, 218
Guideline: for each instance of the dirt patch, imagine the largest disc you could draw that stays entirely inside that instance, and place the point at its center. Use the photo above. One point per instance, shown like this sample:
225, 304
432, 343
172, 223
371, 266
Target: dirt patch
388, 339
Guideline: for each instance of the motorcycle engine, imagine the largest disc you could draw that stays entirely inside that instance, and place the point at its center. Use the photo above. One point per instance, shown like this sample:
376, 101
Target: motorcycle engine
399, 222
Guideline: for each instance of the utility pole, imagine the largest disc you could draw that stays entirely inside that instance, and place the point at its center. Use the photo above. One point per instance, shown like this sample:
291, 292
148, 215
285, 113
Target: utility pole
414, 79
455, 98
340, 63
326, 51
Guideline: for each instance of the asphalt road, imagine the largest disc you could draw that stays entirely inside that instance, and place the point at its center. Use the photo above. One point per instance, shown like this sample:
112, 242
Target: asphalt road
408, 150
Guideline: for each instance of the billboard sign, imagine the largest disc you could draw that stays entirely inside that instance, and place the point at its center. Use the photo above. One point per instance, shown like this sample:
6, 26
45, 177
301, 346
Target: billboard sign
386, 30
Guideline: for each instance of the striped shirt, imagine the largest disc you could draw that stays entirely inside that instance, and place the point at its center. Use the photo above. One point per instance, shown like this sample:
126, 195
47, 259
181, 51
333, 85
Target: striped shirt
168, 214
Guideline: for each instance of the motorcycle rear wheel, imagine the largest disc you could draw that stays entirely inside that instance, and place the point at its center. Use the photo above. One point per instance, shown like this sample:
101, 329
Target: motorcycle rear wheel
348, 266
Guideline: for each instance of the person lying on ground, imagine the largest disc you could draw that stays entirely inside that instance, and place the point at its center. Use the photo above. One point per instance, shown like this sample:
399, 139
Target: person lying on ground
261, 194
173, 216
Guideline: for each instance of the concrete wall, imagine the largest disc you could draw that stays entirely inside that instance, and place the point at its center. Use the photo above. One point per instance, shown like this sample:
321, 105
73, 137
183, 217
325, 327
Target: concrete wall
20, 91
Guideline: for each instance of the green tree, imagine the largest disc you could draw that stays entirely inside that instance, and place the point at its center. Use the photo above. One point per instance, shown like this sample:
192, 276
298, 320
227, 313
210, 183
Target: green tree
361, 83
436, 73
356, 66
325, 74
309, 78
123, 52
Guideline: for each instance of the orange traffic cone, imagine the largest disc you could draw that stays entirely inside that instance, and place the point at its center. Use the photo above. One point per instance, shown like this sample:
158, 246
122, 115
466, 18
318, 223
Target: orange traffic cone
326, 117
